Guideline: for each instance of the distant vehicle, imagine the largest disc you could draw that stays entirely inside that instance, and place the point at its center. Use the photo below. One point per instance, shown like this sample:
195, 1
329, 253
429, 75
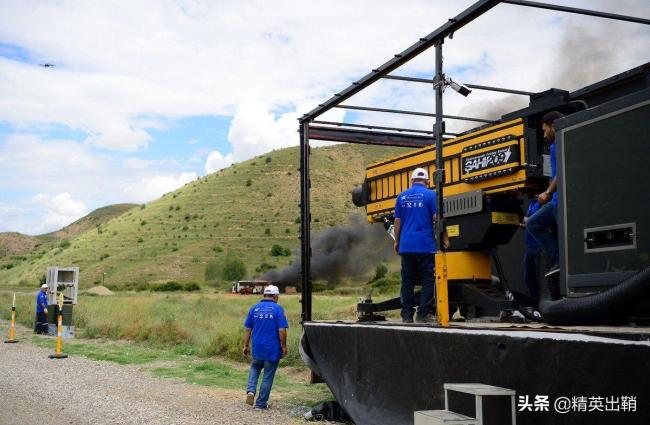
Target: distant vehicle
249, 287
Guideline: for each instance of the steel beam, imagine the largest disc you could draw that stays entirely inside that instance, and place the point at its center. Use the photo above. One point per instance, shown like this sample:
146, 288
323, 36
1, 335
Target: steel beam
403, 112
438, 129
373, 127
452, 25
578, 11
305, 225
367, 137
471, 86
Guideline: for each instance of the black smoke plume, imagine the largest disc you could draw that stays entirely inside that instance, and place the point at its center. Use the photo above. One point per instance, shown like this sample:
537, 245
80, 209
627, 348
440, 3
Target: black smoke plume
338, 252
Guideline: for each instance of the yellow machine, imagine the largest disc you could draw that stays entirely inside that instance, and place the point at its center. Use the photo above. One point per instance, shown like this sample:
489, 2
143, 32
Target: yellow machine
487, 172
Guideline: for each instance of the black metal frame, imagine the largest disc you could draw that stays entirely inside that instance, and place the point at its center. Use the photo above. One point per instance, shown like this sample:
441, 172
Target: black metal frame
388, 136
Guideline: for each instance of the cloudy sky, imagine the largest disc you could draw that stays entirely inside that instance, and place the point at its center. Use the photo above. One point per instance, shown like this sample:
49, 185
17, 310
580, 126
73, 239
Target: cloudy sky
145, 96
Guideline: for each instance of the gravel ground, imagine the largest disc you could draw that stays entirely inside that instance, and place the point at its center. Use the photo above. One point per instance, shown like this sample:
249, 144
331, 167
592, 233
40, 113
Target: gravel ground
76, 390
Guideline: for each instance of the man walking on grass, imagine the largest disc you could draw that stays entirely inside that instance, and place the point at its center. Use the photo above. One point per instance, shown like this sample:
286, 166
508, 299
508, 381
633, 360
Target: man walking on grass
267, 325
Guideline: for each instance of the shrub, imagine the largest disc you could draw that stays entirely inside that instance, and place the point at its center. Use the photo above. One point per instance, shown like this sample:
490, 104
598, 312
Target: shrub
380, 271
143, 222
171, 207
192, 286
217, 248
233, 268
185, 228
212, 271
168, 286
267, 231
178, 207
66, 243
297, 220
143, 206
268, 159
279, 251
140, 240
264, 267
287, 231
249, 182
103, 256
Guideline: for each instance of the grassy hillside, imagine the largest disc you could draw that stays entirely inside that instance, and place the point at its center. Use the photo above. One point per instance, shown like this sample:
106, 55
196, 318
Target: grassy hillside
92, 220
16, 244
243, 210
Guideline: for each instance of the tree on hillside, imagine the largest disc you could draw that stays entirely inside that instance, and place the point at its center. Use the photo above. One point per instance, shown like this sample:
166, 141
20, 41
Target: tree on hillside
233, 268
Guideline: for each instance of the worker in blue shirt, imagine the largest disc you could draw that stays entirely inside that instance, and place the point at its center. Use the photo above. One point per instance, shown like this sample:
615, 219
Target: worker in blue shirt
531, 256
415, 212
40, 326
543, 224
267, 325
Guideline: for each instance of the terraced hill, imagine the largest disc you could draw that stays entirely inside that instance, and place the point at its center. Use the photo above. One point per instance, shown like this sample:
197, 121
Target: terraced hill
14, 243
243, 210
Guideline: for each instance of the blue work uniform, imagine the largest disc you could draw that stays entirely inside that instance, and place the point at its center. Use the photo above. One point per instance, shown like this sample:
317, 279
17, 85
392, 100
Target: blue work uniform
41, 302
265, 319
415, 208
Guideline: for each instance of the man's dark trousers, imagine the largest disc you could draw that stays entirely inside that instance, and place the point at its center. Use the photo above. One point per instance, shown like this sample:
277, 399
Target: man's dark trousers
416, 266
40, 327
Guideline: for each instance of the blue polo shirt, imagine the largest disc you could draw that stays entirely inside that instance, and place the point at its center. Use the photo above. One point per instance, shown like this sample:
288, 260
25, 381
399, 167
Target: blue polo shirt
41, 299
531, 243
553, 173
415, 208
265, 319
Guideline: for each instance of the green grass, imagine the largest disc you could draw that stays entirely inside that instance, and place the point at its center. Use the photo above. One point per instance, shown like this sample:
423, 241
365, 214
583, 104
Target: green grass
200, 324
172, 238
290, 384
121, 353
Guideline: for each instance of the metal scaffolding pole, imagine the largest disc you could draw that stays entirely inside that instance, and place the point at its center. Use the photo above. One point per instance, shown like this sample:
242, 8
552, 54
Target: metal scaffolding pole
438, 130
305, 224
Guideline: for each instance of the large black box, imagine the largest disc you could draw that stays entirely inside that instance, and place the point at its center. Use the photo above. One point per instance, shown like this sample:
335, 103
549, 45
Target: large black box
603, 159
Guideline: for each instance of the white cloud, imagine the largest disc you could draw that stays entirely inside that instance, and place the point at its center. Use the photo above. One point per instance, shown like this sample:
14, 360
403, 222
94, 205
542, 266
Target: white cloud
153, 187
192, 142
263, 63
60, 210
217, 161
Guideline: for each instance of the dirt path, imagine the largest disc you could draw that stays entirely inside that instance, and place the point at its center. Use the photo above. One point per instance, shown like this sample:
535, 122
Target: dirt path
76, 391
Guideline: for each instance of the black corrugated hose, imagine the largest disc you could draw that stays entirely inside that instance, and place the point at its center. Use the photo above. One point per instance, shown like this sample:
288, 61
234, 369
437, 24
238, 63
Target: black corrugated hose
604, 306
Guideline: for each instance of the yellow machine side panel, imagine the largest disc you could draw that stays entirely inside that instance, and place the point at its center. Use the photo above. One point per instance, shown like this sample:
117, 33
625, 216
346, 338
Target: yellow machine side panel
468, 265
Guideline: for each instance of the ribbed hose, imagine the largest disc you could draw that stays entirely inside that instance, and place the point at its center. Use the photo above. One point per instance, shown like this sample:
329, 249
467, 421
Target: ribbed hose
607, 305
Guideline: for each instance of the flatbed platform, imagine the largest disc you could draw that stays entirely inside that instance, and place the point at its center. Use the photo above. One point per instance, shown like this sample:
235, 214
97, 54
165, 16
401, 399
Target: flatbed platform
629, 332
382, 372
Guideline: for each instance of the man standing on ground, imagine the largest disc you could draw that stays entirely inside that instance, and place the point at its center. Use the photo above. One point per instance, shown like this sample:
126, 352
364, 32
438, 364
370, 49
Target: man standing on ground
40, 327
543, 224
415, 213
267, 325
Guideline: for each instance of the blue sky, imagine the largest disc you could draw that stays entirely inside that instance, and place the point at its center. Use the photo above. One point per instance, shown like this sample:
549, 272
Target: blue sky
146, 96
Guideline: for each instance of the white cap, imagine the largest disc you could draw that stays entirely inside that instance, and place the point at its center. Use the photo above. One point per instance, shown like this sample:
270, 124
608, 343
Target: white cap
420, 173
271, 290
44, 285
